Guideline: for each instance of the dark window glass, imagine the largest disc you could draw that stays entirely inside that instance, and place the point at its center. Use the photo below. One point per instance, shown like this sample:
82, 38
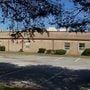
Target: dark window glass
81, 46
67, 45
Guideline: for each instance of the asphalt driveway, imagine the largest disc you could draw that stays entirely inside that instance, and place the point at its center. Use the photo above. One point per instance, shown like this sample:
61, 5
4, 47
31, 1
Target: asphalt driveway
60, 61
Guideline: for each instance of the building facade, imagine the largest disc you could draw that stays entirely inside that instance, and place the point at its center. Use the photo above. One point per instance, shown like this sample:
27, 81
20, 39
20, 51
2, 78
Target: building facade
74, 43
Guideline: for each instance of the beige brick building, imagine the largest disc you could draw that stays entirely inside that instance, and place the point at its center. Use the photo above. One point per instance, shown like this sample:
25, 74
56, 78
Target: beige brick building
74, 43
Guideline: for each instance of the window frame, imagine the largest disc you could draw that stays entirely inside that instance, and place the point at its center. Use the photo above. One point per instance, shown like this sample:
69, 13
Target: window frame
81, 46
67, 45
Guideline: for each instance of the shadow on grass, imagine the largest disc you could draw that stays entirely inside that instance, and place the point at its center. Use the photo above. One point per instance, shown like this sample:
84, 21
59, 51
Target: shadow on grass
49, 77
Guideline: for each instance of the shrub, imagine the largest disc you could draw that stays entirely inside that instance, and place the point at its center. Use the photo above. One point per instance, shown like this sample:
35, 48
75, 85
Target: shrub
2, 48
41, 50
49, 51
86, 52
60, 52
21, 50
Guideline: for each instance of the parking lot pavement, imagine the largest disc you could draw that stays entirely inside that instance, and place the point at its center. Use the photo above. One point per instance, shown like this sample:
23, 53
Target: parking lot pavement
60, 61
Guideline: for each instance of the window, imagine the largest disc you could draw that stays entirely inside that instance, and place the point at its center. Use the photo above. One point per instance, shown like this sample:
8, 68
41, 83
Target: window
81, 46
67, 45
27, 45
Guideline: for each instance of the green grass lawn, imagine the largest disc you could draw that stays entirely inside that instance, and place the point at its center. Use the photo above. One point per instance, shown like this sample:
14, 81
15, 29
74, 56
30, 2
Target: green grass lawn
16, 53
2, 53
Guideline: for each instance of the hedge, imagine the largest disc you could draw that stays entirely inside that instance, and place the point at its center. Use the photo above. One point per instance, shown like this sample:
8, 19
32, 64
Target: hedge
57, 52
2, 48
86, 52
41, 50
60, 52
50, 51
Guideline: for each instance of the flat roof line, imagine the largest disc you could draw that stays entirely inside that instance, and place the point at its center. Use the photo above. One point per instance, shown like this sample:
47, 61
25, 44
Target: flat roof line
49, 39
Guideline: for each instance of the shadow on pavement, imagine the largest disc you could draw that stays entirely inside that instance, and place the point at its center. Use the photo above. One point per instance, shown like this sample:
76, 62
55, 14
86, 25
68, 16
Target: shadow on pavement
49, 77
